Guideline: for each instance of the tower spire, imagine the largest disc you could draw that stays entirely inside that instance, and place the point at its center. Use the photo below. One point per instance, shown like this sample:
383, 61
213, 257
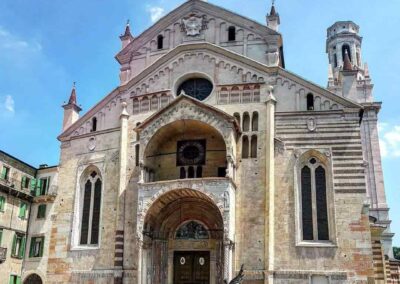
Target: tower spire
72, 97
273, 19
71, 109
127, 37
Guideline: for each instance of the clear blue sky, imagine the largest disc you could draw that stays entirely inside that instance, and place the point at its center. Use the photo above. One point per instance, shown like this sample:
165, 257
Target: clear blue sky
45, 45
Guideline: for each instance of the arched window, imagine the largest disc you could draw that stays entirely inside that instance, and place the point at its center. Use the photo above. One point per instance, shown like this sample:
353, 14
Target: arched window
345, 48
235, 95
246, 122
254, 121
246, 97
256, 94
199, 172
154, 103
182, 173
137, 154
253, 146
314, 207
310, 102
190, 172
231, 33
160, 42
94, 124
91, 205
33, 279
224, 96
144, 105
245, 147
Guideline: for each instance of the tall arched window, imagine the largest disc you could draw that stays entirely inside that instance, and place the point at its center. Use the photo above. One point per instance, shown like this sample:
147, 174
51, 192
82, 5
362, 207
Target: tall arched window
245, 147
231, 33
160, 42
254, 121
246, 122
310, 101
190, 172
91, 206
253, 151
94, 124
182, 173
345, 48
314, 207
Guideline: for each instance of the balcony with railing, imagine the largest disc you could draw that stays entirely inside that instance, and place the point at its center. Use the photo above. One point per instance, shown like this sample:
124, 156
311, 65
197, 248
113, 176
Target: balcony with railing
15, 187
45, 194
3, 254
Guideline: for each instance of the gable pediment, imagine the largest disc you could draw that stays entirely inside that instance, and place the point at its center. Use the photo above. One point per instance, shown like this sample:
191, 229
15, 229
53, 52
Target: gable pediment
173, 28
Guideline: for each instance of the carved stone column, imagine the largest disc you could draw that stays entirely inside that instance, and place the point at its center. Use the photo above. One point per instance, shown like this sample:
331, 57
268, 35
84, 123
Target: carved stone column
228, 245
269, 241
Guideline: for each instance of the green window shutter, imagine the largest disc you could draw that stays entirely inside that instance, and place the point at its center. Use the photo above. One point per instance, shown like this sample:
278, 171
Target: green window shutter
41, 247
12, 277
33, 186
22, 248
14, 245
32, 247
18, 280
2, 203
1, 236
3, 173
38, 187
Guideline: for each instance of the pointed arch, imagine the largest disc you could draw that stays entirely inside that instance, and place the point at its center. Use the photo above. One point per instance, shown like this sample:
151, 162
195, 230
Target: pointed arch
90, 207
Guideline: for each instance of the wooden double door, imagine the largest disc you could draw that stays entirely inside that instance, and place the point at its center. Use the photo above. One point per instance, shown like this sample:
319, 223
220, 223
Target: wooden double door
192, 267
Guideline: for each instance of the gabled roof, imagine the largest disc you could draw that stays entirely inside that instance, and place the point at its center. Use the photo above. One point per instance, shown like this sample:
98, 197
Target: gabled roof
223, 53
194, 101
182, 11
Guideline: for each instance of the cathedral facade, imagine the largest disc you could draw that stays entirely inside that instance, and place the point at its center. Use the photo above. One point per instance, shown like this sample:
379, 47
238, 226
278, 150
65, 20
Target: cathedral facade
210, 155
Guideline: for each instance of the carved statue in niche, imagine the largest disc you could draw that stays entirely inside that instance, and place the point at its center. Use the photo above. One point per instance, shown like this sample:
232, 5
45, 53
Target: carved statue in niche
226, 200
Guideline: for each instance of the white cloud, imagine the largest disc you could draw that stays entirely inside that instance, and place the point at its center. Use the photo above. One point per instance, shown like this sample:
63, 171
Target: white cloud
389, 140
10, 42
7, 106
155, 12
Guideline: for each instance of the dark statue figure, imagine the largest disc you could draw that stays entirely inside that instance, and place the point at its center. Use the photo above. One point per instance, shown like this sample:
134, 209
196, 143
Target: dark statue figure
238, 279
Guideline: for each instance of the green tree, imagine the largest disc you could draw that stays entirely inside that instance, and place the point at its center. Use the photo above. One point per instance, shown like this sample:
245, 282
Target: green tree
396, 252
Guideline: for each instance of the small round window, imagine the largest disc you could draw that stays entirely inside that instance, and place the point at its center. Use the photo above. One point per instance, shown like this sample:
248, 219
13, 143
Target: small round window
198, 88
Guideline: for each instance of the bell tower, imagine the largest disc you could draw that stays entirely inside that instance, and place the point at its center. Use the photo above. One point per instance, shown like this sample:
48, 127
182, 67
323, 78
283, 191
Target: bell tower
348, 76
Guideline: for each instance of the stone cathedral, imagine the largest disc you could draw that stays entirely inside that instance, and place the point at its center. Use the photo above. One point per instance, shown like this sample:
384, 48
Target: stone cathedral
210, 154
